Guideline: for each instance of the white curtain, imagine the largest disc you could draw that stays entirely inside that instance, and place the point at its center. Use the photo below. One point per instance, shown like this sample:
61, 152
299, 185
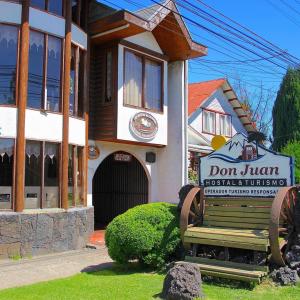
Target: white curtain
9, 34
51, 150
222, 125
153, 85
6, 148
33, 149
133, 79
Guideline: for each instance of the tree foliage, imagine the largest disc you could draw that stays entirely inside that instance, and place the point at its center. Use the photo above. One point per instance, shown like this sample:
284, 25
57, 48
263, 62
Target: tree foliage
286, 110
292, 148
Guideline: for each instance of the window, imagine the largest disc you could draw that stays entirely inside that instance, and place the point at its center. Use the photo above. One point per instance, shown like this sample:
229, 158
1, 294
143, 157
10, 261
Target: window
142, 82
6, 172
77, 73
53, 6
75, 174
44, 78
209, 122
79, 12
225, 125
42, 175
8, 63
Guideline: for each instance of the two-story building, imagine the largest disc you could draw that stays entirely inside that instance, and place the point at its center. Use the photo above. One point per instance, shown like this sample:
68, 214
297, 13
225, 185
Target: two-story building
213, 109
92, 114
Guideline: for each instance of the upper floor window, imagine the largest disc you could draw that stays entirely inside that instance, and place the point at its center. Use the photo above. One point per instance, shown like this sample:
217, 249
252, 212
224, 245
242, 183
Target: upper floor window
44, 72
209, 121
77, 73
79, 12
8, 63
143, 81
225, 125
53, 6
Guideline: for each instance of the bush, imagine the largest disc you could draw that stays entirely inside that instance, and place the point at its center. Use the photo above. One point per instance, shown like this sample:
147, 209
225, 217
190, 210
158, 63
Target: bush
148, 233
293, 149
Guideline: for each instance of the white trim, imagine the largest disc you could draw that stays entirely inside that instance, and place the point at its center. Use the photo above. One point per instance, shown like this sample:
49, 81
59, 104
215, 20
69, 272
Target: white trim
10, 12
110, 31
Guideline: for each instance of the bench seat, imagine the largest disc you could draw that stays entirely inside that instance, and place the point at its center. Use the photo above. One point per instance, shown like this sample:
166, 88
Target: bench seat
251, 239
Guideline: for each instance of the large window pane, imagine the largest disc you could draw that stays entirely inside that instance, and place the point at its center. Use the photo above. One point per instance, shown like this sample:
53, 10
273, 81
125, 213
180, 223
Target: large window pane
8, 63
51, 176
79, 176
70, 176
55, 6
6, 172
33, 174
81, 74
153, 85
72, 81
133, 80
35, 72
75, 11
54, 73
38, 3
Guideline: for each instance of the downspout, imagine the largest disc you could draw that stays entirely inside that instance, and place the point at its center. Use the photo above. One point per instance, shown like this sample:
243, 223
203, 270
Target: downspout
185, 123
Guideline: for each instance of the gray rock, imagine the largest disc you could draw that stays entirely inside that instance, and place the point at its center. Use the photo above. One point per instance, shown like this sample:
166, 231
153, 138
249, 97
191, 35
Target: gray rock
183, 282
285, 276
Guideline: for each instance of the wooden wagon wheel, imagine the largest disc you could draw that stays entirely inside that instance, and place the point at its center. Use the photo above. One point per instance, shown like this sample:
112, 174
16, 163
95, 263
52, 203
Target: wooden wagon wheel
282, 225
192, 211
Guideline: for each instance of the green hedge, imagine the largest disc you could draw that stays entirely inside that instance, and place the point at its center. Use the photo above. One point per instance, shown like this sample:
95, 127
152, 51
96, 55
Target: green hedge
148, 233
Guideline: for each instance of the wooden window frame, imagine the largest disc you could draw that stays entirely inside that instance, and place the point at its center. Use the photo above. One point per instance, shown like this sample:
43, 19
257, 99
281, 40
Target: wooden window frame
230, 125
45, 68
74, 174
215, 114
12, 200
42, 170
17, 65
144, 57
46, 9
76, 81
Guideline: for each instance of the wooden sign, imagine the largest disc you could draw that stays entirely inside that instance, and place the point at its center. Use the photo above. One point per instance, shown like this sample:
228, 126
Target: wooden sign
122, 157
242, 168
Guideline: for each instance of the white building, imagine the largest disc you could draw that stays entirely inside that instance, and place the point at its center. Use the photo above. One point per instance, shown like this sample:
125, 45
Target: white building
213, 109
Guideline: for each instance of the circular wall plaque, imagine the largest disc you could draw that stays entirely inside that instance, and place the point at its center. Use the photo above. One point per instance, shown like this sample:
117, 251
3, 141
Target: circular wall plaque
144, 125
93, 152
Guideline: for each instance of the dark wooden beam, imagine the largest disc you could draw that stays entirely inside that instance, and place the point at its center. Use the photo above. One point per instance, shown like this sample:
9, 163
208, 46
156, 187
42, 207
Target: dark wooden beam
22, 102
66, 100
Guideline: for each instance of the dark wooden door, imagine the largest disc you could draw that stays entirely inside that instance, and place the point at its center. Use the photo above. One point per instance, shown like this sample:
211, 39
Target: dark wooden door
118, 186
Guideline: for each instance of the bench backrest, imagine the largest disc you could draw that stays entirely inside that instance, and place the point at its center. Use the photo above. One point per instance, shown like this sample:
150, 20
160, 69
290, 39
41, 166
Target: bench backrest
243, 213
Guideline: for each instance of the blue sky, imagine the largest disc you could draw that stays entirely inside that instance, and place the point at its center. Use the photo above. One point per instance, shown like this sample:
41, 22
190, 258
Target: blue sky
278, 21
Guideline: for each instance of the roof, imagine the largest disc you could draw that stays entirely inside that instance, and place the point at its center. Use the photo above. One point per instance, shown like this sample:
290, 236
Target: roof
163, 21
200, 91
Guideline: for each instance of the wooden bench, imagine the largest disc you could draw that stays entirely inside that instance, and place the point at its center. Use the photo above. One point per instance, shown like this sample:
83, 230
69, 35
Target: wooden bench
254, 224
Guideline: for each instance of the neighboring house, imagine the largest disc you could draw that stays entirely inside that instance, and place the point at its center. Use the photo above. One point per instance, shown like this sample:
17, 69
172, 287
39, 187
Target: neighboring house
213, 109
93, 113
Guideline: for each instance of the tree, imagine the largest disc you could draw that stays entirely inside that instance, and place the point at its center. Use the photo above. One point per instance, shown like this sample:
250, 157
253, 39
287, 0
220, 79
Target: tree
292, 148
286, 110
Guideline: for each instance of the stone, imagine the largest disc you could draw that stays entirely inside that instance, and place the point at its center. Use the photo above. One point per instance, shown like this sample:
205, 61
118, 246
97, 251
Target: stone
285, 276
182, 282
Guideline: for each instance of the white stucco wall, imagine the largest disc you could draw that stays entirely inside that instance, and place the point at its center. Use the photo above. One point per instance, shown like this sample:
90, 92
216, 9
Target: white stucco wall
145, 39
139, 152
8, 122
126, 113
10, 12
76, 131
172, 159
219, 103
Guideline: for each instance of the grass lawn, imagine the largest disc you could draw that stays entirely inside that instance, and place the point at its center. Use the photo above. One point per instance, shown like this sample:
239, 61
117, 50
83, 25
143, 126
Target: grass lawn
120, 284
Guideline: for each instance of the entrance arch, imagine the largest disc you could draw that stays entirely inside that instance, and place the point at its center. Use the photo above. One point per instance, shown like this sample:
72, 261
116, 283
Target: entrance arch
120, 182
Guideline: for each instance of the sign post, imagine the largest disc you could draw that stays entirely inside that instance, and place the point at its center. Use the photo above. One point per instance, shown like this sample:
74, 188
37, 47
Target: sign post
242, 168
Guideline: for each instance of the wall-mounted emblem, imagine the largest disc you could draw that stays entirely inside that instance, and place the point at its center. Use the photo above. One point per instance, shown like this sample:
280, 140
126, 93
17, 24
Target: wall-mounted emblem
93, 152
144, 125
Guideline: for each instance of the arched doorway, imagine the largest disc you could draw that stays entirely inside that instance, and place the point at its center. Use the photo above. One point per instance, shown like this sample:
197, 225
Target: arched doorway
120, 182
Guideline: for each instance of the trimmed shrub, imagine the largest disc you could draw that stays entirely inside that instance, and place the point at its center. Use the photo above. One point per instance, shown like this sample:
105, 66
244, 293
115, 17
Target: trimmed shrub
148, 233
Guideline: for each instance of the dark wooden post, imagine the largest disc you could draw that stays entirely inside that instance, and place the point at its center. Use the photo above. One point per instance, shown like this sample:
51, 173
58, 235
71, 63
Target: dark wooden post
66, 100
22, 102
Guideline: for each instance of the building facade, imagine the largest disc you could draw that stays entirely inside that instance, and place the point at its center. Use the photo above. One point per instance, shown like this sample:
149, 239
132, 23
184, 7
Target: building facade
92, 115
213, 109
